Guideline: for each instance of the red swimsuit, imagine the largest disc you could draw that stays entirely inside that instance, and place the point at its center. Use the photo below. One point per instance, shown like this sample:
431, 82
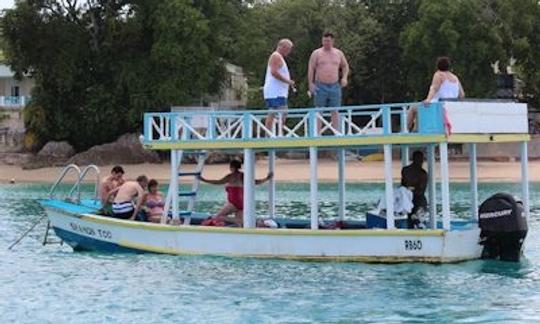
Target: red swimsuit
235, 195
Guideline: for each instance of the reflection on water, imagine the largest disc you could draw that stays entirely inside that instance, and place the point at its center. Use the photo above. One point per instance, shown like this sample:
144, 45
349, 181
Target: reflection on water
54, 284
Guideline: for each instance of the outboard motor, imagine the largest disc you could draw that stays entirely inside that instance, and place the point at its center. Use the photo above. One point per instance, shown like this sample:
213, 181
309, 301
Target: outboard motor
503, 227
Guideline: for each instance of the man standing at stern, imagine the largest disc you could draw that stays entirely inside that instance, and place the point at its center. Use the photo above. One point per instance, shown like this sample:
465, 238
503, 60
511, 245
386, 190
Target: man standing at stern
324, 78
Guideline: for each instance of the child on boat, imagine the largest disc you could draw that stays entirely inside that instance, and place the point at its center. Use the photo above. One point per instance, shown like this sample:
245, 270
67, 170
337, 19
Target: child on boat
234, 186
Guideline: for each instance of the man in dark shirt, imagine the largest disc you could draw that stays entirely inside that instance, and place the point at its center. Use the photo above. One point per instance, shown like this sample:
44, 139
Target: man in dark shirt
415, 178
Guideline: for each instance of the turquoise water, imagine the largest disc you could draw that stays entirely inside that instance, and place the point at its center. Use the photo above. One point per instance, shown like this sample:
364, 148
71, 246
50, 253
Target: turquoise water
52, 284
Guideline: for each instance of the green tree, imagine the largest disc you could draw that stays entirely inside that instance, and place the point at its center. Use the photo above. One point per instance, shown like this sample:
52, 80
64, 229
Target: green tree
519, 25
453, 28
99, 65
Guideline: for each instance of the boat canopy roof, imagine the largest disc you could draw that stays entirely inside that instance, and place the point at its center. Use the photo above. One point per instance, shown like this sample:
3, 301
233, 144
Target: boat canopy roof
450, 121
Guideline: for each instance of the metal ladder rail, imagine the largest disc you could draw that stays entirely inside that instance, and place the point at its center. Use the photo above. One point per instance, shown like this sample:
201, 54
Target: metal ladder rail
77, 186
61, 177
194, 186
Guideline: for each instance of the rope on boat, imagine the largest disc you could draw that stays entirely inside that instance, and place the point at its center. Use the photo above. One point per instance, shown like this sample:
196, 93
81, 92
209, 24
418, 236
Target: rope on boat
27, 232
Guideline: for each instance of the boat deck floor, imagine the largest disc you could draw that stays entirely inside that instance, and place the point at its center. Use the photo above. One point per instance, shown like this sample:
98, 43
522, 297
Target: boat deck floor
91, 206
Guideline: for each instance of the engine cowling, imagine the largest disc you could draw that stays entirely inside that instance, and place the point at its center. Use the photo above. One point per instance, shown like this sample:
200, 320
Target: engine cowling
503, 227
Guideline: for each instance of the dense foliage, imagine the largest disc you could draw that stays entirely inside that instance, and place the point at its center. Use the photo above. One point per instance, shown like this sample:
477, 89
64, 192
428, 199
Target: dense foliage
98, 65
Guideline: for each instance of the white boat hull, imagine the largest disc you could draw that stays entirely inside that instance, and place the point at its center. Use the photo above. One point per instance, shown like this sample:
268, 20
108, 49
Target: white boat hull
92, 232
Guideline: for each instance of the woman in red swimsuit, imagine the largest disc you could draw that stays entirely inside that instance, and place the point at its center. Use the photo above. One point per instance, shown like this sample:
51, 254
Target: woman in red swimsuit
234, 186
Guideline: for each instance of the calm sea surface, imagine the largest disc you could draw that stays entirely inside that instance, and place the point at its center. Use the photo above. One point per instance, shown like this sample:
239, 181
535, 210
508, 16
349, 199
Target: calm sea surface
52, 284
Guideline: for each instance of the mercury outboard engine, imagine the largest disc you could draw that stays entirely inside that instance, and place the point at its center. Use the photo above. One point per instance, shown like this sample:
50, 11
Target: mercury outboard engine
503, 227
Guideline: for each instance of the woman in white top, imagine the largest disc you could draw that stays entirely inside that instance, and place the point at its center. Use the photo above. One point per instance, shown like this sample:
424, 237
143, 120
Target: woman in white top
445, 85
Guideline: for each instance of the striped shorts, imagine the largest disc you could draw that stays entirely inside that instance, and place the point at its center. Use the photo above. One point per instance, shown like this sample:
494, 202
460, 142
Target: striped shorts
123, 210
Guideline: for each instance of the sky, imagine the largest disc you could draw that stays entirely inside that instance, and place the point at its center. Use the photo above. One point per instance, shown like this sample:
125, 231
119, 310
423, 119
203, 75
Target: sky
5, 4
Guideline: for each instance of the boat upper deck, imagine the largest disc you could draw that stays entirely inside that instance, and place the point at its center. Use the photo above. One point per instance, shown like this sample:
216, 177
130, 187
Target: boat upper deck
471, 122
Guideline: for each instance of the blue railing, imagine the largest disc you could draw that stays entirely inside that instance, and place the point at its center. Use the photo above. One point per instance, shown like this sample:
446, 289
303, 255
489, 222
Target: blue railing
348, 121
14, 101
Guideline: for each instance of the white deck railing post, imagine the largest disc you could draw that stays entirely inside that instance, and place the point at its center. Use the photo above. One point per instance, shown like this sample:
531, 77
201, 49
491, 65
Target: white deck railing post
404, 130
432, 186
473, 174
445, 186
524, 157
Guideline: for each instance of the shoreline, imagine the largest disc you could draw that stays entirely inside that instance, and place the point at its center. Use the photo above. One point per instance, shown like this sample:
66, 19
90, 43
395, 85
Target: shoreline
291, 171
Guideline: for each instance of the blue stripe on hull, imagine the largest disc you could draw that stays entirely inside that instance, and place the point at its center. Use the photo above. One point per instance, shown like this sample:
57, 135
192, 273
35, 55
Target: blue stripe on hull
83, 243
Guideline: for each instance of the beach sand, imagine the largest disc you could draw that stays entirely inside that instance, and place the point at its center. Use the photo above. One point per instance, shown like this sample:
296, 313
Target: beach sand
293, 171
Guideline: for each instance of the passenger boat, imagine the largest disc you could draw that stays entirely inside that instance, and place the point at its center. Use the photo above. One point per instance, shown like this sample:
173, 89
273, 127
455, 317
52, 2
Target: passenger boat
77, 223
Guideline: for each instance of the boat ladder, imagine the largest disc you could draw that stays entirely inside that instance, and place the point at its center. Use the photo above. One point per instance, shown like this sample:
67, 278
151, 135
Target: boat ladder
74, 195
190, 195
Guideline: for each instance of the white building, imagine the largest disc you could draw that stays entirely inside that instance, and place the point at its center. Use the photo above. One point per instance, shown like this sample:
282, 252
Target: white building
13, 93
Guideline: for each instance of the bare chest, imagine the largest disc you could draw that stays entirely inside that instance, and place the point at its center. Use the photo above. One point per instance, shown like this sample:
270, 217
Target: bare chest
328, 59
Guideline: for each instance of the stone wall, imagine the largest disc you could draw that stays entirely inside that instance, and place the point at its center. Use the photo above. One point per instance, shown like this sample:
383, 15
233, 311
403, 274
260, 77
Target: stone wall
11, 129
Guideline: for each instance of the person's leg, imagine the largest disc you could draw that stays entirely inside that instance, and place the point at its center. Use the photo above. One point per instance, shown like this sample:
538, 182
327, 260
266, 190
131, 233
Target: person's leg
334, 100
239, 218
225, 211
269, 122
320, 101
282, 118
411, 119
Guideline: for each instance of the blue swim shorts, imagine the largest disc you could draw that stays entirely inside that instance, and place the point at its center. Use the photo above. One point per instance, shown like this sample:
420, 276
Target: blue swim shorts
276, 103
327, 95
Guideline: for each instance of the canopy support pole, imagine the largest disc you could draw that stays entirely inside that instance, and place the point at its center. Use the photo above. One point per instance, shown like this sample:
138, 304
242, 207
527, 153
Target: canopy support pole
272, 184
249, 188
389, 186
341, 183
473, 165
173, 187
445, 186
314, 203
432, 186
524, 157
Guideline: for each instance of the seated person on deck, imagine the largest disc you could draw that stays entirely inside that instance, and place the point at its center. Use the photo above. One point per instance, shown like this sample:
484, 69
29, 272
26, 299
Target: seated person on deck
445, 85
153, 202
234, 186
415, 178
107, 185
124, 205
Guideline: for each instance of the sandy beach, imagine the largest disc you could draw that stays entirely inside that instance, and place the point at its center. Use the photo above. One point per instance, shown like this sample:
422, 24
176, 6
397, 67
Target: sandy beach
295, 171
